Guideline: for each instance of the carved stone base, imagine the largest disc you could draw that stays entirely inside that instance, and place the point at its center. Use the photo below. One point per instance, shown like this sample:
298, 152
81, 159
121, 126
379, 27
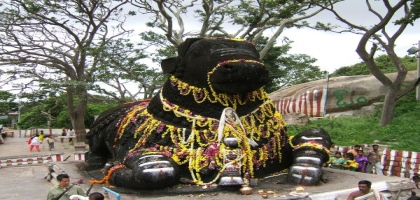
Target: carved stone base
80, 146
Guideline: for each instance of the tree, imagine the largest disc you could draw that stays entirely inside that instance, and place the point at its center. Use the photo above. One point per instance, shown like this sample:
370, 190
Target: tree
116, 72
380, 36
288, 69
7, 103
52, 112
250, 19
53, 43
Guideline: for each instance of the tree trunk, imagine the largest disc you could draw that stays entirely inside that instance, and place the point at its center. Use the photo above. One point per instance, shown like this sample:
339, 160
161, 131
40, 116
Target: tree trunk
388, 109
80, 129
77, 111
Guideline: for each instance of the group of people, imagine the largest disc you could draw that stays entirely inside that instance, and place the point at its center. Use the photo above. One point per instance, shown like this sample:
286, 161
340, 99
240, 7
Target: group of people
358, 161
66, 191
65, 132
36, 140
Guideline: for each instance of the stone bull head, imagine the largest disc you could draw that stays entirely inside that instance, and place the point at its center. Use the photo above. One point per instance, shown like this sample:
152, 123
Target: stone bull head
210, 123
225, 66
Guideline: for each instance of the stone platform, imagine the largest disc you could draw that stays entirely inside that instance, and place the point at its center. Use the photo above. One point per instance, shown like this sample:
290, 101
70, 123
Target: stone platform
339, 184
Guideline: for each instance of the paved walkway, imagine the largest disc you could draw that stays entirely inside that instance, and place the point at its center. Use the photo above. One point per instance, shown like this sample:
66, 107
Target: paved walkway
18, 146
15, 181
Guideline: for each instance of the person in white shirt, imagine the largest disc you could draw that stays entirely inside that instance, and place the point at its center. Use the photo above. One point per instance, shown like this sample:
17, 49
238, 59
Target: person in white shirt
70, 133
35, 143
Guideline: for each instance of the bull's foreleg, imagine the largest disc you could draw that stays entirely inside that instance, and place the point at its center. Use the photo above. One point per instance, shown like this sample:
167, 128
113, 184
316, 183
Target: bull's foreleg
307, 167
146, 172
309, 154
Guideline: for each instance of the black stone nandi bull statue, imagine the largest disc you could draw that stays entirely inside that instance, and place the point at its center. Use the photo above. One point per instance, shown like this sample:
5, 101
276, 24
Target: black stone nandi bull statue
210, 123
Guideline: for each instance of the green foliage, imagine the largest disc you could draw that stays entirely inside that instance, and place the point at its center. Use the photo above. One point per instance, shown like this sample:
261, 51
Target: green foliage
384, 63
56, 46
35, 114
95, 110
6, 121
7, 103
288, 69
115, 71
414, 14
402, 134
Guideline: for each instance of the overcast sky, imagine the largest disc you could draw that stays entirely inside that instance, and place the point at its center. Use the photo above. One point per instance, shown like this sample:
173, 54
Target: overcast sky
335, 50
332, 50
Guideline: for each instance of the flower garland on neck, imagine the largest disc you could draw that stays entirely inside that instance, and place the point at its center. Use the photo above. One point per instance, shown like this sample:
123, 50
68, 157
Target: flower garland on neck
310, 144
202, 94
199, 149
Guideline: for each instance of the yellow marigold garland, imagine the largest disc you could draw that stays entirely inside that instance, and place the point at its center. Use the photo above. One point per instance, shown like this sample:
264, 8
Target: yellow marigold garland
185, 151
202, 94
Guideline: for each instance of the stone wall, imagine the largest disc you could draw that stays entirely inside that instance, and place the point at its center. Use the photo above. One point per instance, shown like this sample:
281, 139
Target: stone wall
394, 162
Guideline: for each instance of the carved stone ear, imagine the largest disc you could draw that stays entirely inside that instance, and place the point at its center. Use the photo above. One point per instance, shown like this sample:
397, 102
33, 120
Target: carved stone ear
169, 65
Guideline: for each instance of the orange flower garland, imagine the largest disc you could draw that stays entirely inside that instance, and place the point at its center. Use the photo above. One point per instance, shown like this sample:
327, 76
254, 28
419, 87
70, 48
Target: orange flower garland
107, 177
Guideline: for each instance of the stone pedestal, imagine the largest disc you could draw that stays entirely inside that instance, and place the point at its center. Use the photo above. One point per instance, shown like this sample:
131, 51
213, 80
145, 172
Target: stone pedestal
80, 146
400, 190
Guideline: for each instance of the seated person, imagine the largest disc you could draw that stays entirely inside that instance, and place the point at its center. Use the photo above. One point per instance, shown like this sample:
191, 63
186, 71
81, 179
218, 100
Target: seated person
366, 193
363, 162
337, 161
351, 164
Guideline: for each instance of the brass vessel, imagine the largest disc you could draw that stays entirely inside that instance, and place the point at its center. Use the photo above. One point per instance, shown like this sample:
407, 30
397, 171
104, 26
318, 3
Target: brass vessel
246, 189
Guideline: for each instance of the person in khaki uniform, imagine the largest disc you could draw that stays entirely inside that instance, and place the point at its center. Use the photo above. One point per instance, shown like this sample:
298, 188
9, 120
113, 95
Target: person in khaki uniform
374, 158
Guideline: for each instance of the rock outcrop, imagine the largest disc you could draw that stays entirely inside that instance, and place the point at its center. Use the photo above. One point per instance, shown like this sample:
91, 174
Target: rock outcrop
344, 95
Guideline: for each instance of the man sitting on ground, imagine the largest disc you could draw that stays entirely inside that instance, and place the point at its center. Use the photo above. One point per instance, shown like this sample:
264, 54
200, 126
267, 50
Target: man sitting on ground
366, 193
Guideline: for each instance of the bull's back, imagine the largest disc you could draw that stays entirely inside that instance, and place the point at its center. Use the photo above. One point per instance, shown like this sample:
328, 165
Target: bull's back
105, 127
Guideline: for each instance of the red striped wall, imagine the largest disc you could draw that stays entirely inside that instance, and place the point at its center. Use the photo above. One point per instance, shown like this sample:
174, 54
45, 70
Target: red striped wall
395, 162
311, 103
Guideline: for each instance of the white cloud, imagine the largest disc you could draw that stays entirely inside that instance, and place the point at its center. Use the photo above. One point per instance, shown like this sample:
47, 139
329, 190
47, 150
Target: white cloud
337, 50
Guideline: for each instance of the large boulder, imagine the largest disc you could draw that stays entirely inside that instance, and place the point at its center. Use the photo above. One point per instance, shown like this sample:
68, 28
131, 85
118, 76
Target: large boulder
344, 95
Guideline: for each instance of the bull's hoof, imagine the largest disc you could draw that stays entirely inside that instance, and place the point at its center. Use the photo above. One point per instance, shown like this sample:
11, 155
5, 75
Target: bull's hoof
147, 172
94, 161
303, 174
231, 180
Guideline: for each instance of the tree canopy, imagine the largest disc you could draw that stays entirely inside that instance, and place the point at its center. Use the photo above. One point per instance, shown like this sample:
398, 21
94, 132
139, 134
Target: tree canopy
52, 45
7, 102
70, 46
